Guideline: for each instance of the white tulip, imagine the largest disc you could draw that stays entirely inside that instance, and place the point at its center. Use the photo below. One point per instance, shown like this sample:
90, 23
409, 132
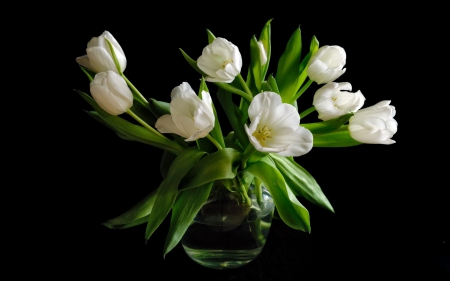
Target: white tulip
374, 124
98, 56
326, 64
111, 92
275, 127
262, 53
190, 116
221, 61
333, 100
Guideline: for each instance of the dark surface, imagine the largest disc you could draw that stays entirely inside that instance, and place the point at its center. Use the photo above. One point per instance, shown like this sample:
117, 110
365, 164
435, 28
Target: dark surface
390, 220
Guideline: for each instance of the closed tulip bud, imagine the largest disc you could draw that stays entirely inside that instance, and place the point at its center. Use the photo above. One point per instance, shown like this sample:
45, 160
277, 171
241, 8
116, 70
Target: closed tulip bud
262, 53
333, 100
326, 64
374, 124
98, 56
221, 61
111, 92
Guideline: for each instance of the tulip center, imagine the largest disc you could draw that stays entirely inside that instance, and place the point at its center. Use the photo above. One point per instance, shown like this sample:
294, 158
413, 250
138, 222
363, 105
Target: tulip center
225, 62
262, 134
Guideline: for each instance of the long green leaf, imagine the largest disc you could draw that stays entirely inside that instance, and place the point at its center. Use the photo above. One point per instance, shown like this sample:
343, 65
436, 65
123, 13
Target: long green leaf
291, 211
328, 126
338, 138
288, 67
218, 165
254, 76
167, 191
265, 38
135, 215
132, 131
192, 63
97, 117
186, 207
300, 181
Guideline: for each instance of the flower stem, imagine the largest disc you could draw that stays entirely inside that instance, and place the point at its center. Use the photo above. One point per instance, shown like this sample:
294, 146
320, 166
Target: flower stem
307, 111
244, 85
135, 91
219, 147
241, 188
142, 122
302, 90
247, 153
258, 191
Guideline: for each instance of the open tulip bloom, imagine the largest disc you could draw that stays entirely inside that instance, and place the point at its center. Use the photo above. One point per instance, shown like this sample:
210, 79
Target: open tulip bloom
267, 129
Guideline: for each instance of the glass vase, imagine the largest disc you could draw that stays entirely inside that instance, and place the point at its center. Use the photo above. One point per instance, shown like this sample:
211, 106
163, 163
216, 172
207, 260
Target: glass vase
227, 233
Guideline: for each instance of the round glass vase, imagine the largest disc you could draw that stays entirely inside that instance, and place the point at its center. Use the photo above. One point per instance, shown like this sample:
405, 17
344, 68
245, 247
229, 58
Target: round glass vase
227, 233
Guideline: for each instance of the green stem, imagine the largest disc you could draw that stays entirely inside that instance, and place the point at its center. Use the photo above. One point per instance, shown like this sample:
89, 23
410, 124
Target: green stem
247, 153
301, 91
244, 85
219, 147
141, 98
307, 111
142, 122
258, 191
241, 188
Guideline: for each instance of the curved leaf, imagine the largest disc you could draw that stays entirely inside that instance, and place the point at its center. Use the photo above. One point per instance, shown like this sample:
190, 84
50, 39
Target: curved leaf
218, 165
291, 211
300, 181
167, 192
136, 215
186, 207
338, 138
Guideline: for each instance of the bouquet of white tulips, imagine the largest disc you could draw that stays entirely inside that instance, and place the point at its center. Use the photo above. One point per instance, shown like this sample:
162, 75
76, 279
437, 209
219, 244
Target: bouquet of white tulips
261, 109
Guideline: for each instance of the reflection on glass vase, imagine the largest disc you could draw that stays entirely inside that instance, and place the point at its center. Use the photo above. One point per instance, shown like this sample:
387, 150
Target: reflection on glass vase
227, 233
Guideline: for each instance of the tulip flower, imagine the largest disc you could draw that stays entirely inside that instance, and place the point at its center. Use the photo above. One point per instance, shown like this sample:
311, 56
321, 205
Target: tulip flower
190, 116
98, 56
374, 124
111, 92
274, 127
333, 100
221, 61
326, 64
262, 53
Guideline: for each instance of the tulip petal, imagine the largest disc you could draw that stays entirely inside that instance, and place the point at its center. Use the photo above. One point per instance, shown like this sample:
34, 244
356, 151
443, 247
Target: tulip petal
165, 124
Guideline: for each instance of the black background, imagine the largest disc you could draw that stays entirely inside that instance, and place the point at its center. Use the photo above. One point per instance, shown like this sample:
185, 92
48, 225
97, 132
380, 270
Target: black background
390, 220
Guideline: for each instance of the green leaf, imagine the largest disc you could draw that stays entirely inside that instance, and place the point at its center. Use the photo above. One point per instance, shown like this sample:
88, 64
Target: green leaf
221, 164
168, 189
138, 214
273, 84
265, 38
144, 113
159, 108
192, 63
89, 74
235, 116
328, 126
314, 45
166, 161
338, 138
291, 211
114, 57
97, 117
135, 132
211, 36
300, 181
288, 67
186, 207
255, 71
